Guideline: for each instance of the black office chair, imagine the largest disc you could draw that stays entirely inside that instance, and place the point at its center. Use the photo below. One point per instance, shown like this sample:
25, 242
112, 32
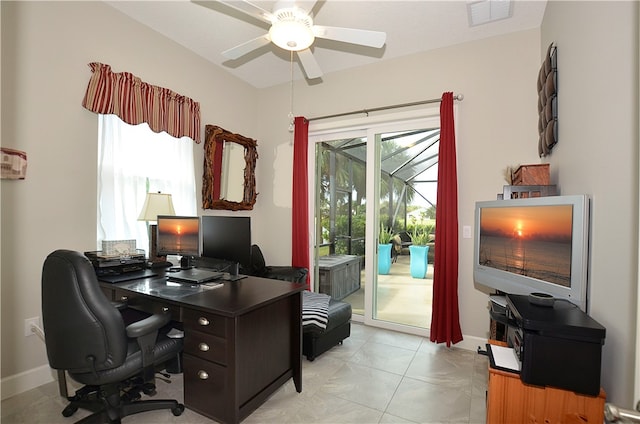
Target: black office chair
85, 335
282, 272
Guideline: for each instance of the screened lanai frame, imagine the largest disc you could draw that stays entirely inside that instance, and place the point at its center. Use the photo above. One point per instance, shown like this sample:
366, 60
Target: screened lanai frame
409, 162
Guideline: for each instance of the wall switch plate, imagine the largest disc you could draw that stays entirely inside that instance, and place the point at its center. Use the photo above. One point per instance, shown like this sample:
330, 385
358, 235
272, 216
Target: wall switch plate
466, 231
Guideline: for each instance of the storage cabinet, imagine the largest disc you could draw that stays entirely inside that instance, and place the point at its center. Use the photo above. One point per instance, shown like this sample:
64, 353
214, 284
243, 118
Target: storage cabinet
509, 400
339, 275
205, 359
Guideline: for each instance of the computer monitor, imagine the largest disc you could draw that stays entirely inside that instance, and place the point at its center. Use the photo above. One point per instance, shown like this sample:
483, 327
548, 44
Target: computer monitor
178, 235
227, 238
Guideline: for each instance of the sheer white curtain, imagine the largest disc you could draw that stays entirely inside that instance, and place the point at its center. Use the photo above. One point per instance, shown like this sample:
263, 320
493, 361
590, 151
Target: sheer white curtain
133, 160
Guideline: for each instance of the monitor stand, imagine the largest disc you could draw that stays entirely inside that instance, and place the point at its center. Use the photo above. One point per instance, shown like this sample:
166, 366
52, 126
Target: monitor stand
185, 262
234, 274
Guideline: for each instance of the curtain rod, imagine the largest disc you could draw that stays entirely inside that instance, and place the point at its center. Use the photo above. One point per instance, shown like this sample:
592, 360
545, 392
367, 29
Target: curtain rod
458, 97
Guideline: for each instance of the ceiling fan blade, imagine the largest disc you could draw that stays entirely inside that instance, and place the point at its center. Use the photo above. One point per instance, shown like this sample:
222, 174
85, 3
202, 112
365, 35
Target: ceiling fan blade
309, 64
244, 6
350, 35
244, 48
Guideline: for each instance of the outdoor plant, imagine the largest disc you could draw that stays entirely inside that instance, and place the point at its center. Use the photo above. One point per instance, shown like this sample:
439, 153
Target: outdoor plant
419, 236
385, 234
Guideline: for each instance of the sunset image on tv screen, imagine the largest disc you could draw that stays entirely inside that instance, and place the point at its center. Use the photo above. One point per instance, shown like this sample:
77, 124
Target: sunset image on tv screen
531, 241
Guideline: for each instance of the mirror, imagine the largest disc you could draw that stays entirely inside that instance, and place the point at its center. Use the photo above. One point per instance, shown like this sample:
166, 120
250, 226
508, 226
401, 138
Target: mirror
228, 180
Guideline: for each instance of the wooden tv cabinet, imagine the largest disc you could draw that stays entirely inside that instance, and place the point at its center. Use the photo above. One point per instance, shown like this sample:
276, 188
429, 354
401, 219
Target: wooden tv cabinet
509, 400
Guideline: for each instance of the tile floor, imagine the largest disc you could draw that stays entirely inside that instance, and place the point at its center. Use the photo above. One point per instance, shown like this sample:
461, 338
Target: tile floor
400, 298
376, 376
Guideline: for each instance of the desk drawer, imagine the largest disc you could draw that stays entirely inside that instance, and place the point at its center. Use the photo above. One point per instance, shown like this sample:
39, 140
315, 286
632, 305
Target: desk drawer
206, 388
205, 322
205, 346
146, 304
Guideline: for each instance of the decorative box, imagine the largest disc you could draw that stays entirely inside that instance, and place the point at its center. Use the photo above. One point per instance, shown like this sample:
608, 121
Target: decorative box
119, 247
531, 175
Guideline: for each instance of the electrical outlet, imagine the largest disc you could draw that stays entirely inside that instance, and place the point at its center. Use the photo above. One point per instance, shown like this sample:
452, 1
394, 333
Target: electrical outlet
27, 326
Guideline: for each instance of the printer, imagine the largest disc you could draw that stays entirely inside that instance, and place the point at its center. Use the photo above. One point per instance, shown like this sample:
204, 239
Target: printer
557, 344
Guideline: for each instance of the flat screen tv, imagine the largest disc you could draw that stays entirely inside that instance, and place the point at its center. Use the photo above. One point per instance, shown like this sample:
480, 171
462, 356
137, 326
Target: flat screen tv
178, 235
227, 238
534, 245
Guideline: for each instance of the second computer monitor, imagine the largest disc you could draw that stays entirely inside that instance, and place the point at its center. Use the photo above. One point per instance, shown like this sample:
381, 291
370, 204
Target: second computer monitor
227, 238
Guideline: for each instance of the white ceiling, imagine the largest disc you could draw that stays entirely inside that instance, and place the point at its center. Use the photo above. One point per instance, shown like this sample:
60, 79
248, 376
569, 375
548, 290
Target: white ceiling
411, 27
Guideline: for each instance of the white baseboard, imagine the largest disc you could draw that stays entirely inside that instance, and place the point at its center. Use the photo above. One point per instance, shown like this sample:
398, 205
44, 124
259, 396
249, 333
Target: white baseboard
27, 380
472, 343
467, 343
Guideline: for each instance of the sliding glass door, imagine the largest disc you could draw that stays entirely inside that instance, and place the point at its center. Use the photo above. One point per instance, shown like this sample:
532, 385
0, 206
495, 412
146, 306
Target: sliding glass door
370, 180
406, 168
340, 229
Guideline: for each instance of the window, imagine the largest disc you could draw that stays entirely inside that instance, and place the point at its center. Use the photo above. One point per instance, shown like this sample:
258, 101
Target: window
133, 160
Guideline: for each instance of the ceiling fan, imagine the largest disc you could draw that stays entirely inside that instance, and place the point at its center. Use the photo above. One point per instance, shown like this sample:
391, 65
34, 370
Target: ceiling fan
292, 29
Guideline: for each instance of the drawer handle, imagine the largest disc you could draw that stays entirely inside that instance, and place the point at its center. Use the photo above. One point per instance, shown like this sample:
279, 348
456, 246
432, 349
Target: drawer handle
165, 309
203, 375
124, 298
203, 321
203, 347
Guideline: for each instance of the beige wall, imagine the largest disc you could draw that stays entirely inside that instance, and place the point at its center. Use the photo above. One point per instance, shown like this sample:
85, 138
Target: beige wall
597, 154
45, 51
46, 47
496, 127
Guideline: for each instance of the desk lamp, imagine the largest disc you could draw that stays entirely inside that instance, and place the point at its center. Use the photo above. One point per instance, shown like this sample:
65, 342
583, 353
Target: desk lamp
155, 204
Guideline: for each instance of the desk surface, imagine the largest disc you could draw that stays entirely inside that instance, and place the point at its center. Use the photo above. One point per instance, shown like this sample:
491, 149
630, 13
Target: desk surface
230, 298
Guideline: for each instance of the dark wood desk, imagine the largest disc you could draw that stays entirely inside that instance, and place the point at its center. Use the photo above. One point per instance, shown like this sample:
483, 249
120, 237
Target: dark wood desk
243, 339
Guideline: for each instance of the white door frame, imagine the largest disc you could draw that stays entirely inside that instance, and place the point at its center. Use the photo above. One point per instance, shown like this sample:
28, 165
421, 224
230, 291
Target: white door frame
366, 126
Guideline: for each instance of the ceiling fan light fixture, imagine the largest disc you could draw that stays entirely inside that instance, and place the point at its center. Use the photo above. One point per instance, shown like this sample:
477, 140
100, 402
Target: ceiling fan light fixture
292, 30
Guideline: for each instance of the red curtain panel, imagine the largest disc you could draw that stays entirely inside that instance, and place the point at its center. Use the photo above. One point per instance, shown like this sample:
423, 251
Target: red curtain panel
300, 207
445, 320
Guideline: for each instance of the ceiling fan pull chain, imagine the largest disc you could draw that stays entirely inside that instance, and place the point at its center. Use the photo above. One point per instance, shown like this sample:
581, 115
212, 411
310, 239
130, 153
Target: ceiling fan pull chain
291, 126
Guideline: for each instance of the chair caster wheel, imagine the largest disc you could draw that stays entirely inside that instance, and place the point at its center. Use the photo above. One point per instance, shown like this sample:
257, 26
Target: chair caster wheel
69, 410
178, 410
149, 389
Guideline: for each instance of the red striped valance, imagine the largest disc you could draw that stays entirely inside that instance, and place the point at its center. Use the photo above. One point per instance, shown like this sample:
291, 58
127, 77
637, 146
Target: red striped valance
134, 101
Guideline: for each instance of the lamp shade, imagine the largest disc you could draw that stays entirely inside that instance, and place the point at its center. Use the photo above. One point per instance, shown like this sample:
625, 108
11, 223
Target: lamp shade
156, 204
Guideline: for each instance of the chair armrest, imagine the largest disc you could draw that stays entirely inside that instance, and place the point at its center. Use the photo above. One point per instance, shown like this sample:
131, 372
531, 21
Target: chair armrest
287, 273
145, 332
147, 325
